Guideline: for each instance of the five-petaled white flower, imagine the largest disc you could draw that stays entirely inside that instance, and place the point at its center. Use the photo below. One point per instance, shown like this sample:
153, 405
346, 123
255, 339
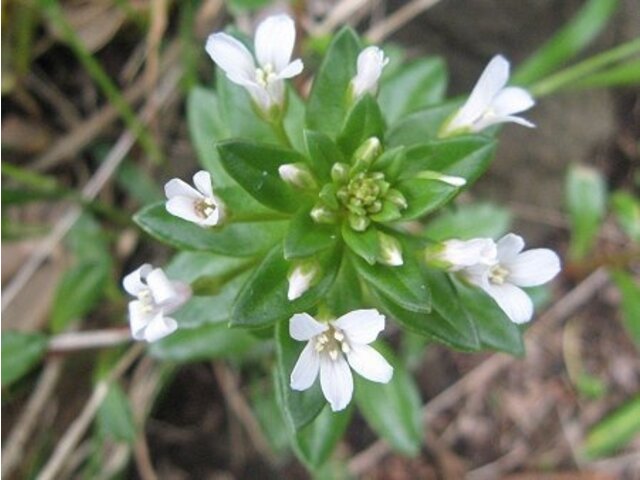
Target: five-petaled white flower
511, 269
370, 63
491, 102
198, 205
335, 346
157, 296
274, 41
458, 254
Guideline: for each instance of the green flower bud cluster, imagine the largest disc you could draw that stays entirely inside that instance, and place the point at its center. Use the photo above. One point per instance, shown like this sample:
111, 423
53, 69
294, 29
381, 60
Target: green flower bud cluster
358, 194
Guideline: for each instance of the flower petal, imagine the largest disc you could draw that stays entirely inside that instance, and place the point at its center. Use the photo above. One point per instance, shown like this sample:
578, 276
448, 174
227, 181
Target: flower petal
162, 289
133, 282
369, 363
466, 253
274, 41
509, 247
512, 300
336, 382
232, 57
291, 70
202, 181
361, 326
179, 188
303, 327
491, 81
160, 327
139, 318
183, 207
533, 267
490, 120
306, 369
512, 100
370, 63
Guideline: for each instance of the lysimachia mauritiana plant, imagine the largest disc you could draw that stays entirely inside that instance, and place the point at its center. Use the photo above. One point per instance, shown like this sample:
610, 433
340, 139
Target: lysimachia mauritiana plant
309, 227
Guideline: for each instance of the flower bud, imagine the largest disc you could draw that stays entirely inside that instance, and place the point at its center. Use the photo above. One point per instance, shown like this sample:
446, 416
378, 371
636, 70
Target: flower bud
298, 175
440, 177
454, 255
340, 172
320, 213
359, 223
390, 250
301, 278
366, 154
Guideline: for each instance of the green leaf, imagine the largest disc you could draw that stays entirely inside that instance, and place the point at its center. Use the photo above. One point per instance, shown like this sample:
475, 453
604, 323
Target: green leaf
413, 87
363, 122
21, 351
248, 4
627, 210
614, 431
420, 126
586, 199
255, 167
579, 32
306, 237
630, 292
269, 415
206, 342
424, 196
236, 239
138, 183
80, 289
364, 244
469, 221
294, 120
207, 127
494, 328
115, 418
328, 103
323, 154
315, 443
239, 206
298, 408
263, 299
346, 293
393, 410
401, 284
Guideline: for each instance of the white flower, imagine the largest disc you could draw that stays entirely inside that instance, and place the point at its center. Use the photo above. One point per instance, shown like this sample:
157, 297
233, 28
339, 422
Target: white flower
511, 270
334, 348
274, 41
198, 205
157, 296
491, 102
370, 63
459, 254
301, 278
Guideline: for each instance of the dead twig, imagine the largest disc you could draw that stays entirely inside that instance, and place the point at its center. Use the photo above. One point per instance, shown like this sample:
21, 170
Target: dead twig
491, 367
398, 19
66, 342
80, 425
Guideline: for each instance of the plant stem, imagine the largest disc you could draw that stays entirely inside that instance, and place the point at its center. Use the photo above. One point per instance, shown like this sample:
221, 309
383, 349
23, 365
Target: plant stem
281, 133
565, 78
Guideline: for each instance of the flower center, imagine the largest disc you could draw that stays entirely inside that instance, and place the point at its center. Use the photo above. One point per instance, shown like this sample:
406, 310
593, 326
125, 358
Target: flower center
498, 274
265, 75
332, 342
204, 207
145, 297
364, 193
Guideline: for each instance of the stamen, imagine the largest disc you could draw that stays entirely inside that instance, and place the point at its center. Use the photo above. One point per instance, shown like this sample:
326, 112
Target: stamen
498, 274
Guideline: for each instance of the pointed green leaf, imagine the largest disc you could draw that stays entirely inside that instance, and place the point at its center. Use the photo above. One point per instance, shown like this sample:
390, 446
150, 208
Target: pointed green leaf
298, 408
115, 418
365, 244
236, 239
294, 120
630, 292
21, 351
255, 167
627, 210
363, 121
306, 237
346, 293
323, 153
413, 87
315, 443
614, 431
393, 410
469, 221
207, 127
420, 126
263, 299
327, 105
205, 342
402, 284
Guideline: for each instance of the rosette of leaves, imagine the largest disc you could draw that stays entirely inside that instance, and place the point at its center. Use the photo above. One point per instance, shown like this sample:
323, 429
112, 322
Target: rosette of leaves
369, 182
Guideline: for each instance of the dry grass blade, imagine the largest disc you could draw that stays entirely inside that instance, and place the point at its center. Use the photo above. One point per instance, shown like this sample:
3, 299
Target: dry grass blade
398, 19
